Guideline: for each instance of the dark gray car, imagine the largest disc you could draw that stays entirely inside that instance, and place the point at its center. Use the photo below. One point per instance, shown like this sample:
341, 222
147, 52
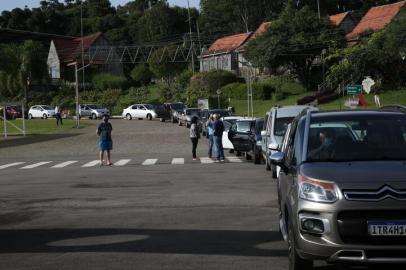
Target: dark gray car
342, 187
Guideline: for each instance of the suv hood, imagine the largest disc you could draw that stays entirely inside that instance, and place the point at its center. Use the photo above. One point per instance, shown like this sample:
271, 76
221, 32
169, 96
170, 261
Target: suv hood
359, 175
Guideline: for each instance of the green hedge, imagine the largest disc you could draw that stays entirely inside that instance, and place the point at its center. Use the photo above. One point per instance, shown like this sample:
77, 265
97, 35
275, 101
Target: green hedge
261, 90
105, 81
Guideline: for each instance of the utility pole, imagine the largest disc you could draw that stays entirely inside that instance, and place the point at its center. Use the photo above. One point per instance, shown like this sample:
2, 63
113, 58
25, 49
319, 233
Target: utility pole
191, 40
318, 8
81, 43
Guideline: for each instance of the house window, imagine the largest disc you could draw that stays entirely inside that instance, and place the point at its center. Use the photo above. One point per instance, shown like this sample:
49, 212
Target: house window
54, 72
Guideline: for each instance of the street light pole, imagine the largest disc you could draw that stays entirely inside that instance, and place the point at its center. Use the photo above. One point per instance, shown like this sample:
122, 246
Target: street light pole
77, 94
190, 36
318, 8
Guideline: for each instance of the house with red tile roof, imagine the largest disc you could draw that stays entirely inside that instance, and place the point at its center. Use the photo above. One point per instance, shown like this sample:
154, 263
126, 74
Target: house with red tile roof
376, 19
243, 64
344, 21
64, 53
222, 53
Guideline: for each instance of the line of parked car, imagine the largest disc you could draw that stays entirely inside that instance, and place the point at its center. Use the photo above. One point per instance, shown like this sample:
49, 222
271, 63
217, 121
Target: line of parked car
340, 176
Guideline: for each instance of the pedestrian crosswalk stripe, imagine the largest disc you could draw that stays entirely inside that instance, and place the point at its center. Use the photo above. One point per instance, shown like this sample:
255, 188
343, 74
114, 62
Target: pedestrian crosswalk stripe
206, 160
64, 164
151, 161
35, 165
10, 165
234, 159
122, 162
178, 161
91, 164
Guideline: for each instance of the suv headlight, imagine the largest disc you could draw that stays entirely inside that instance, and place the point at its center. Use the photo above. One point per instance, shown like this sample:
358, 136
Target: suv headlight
317, 190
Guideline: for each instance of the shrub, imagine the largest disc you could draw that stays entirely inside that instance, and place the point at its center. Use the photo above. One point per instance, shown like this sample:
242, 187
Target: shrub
327, 98
261, 90
279, 95
213, 80
139, 95
306, 100
141, 74
105, 81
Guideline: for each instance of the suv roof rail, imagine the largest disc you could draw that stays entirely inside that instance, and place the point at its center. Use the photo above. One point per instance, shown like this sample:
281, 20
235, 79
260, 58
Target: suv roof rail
394, 108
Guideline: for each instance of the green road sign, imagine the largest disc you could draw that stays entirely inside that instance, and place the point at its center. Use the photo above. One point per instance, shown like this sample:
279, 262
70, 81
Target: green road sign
354, 89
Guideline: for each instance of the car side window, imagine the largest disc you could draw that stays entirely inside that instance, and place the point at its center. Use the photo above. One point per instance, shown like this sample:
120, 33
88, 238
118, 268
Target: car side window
134, 107
290, 152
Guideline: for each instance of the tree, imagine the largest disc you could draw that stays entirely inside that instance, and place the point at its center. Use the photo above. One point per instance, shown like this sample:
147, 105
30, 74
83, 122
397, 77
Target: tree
380, 55
141, 74
162, 64
235, 16
21, 63
293, 41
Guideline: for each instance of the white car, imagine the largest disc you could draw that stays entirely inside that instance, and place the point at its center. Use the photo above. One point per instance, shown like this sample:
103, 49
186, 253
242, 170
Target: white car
41, 111
228, 122
140, 111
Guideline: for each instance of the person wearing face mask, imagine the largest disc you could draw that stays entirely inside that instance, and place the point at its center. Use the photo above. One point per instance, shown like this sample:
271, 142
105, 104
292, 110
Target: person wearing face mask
327, 145
104, 130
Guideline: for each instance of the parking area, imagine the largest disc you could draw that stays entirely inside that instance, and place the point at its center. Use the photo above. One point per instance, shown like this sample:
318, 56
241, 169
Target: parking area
173, 214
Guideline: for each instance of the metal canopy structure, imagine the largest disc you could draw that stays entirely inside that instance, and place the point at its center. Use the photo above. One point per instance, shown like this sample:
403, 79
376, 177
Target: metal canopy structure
138, 54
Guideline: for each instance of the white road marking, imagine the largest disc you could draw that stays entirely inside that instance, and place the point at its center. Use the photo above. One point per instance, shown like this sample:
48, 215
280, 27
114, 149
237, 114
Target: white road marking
151, 161
35, 165
64, 164
234, 159
178, 161
122, 162
91, 164
10, 165
206, 160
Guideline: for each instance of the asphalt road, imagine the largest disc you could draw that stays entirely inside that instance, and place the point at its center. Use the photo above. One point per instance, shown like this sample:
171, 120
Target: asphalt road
162, 216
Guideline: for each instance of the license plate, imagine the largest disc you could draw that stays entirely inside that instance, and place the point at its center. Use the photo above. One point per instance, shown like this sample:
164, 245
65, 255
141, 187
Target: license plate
387, 228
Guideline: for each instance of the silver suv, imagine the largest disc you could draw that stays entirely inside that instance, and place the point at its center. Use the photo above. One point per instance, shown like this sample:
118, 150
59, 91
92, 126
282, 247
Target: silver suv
274, 128
342, 187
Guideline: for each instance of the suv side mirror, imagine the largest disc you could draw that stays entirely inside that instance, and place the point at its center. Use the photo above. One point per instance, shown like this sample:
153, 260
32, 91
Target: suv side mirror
278, 159
263, 133
274, 146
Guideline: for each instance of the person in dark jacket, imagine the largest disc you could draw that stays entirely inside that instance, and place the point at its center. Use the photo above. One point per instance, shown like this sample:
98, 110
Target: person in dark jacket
194, 135
218, 138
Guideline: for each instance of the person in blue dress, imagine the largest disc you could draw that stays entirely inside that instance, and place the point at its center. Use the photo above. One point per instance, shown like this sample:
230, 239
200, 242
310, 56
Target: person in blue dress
104, 130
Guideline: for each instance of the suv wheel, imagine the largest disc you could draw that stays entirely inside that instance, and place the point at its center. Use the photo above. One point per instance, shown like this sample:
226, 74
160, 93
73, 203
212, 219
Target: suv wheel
149, 117
295, 262
44, 116
94, 117
128, 116
30, 116
268, 165
257, 156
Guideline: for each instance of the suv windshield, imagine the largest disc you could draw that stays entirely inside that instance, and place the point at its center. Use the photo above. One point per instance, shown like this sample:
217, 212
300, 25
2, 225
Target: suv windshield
193, 112
45, 107
361, 139
281, 125
177, 106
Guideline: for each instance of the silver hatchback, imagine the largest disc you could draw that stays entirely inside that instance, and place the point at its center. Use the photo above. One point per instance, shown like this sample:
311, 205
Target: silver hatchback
342, 187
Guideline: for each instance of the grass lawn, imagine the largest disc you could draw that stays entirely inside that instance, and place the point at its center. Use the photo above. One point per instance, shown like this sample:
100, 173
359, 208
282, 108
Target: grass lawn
262, 106
41, 126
